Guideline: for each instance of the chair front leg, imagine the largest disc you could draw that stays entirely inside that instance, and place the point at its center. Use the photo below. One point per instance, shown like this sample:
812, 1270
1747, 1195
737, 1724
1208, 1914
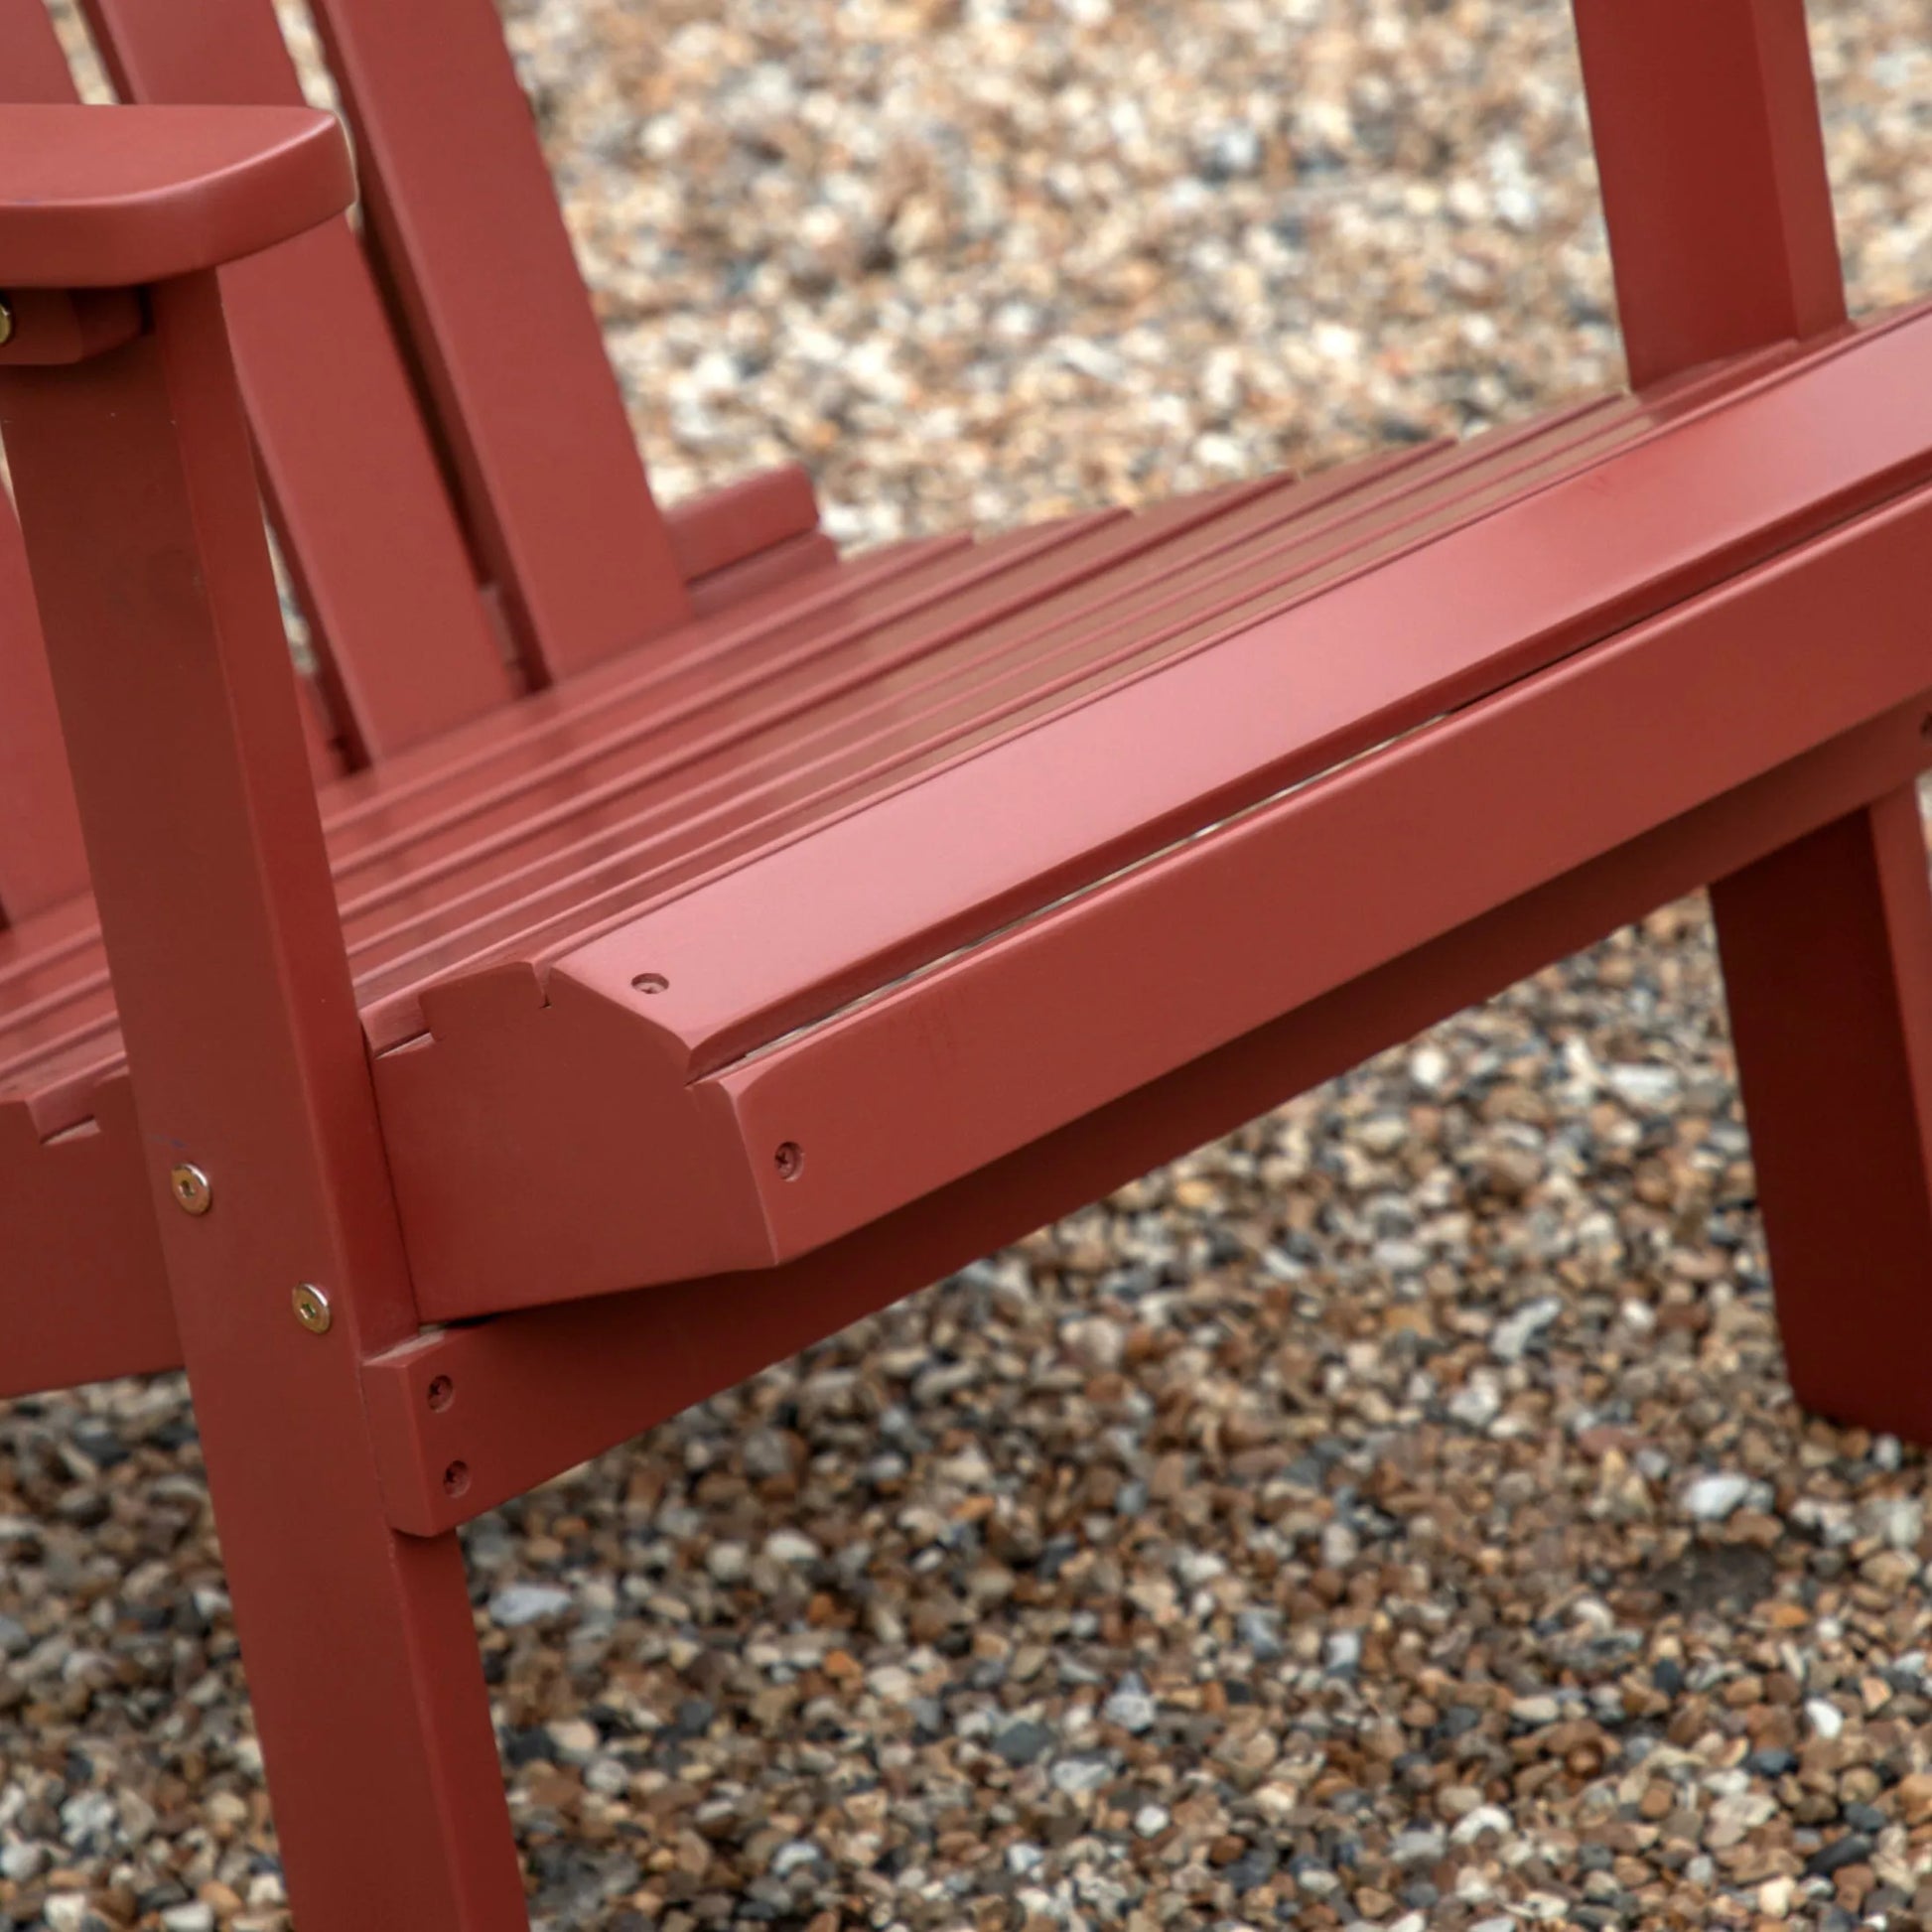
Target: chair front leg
138, 499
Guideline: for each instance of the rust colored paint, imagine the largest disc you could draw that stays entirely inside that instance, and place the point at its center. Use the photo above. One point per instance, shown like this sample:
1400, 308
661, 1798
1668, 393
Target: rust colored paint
831, 920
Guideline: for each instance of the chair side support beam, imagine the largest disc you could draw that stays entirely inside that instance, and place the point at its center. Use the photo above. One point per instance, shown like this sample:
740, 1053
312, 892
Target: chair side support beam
466, 1417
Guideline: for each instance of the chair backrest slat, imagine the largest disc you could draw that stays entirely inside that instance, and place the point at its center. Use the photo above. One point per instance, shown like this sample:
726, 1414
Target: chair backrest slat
41, 855
405, 646
459, 206
1709, 142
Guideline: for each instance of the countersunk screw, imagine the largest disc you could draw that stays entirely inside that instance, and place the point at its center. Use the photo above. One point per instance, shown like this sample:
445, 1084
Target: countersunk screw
6, 322
312, 1309
194, 1193
789, 1161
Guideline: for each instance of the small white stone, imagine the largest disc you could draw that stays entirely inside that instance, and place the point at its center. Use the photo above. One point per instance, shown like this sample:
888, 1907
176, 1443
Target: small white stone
1151, 1820
22, 1859
1477, 1403
1342, 1652
1428, 1068
1486, 1817
1097, 1343
1640, 1084
790, 1545
519, 1603
890, 1683
793, 1856
1129, 1706
1076, 1776
576, 1739
1733, 1819
1340, 1545
1824, 1717
1382, 1133
1899, 1520
1510, 1339
727, 1563
1712, 1498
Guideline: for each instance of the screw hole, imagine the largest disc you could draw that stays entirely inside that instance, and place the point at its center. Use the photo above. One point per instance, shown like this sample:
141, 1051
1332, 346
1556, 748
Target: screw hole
1925, 726
789, 1161
456, 1478
651, 983
442, 1392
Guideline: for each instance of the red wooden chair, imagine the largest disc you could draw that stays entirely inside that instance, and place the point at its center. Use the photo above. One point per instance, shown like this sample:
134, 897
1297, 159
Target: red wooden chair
810, 927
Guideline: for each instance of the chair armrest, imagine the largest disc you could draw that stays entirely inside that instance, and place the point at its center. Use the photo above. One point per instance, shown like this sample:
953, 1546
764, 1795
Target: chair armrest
121, 196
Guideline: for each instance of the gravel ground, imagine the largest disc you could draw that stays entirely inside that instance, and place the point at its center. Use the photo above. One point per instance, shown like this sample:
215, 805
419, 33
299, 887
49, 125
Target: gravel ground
1392, 1515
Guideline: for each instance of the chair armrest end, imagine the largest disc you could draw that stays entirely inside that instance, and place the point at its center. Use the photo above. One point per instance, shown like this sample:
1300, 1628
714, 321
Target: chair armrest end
122, 196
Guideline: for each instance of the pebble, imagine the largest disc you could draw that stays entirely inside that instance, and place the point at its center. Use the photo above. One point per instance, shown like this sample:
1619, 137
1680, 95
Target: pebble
1129, 1706
1824, 1718
1023, 1744
520, 1603
1712, 1498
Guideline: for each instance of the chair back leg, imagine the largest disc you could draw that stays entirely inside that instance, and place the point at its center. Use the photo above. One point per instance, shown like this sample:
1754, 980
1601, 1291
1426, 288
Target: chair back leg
1828, 965
1709, 142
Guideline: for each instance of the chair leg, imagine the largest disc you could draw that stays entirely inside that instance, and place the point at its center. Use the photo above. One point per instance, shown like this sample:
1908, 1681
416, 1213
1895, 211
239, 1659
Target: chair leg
1827, 949
361, 1655
138, 496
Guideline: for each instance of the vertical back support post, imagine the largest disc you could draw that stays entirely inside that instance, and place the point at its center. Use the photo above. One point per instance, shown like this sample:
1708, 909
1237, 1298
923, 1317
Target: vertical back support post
42, 860
1711, 157
463, 219
1715, 187
137, 493
403, 645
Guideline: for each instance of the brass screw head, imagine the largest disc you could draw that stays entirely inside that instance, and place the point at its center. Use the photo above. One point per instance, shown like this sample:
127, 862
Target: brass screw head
194, 1193
312, 1309
6, 322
